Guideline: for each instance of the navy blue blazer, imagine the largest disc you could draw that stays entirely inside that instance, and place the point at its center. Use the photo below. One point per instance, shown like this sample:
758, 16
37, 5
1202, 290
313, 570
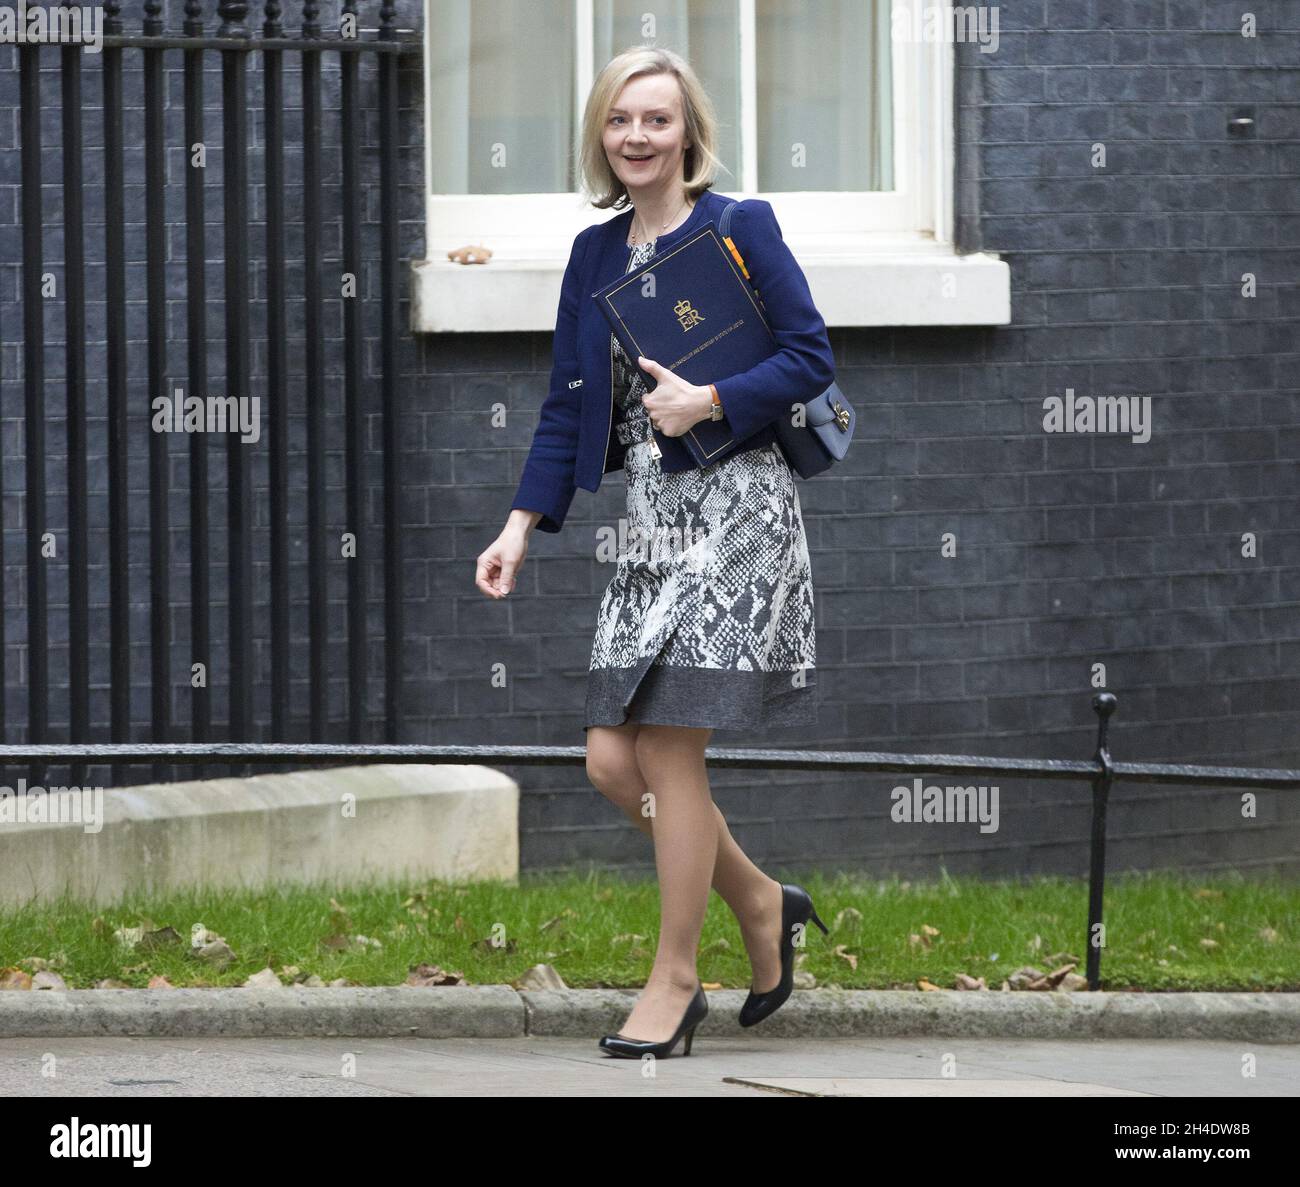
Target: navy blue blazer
574, 446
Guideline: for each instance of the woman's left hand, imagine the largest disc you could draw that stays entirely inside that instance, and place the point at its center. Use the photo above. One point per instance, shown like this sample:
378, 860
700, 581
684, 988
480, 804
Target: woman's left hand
675, 405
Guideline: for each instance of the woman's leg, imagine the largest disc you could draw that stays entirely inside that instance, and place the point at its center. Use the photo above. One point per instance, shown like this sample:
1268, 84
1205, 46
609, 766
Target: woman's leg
615, 768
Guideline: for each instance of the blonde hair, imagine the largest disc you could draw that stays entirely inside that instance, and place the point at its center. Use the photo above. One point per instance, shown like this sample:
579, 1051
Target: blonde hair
701, 162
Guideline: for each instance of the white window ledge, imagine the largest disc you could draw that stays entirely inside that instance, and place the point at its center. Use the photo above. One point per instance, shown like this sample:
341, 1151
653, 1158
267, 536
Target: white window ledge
866, 281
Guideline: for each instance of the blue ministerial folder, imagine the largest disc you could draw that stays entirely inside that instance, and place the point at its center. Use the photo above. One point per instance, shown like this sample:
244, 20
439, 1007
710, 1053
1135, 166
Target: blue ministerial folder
691, 310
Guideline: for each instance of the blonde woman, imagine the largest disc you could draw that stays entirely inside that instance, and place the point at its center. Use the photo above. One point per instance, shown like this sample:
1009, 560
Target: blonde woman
707, 622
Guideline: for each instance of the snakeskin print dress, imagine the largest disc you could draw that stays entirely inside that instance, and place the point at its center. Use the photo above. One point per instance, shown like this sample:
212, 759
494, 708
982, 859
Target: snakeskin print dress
708, 618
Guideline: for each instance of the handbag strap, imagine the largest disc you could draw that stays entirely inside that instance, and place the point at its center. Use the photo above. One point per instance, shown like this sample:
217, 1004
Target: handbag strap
724, 229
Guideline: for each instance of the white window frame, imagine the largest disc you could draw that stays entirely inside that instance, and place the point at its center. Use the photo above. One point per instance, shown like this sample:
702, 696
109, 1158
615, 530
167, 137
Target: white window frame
871, 258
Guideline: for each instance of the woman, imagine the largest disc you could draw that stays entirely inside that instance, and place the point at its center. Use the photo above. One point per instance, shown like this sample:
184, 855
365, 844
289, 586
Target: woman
717, 630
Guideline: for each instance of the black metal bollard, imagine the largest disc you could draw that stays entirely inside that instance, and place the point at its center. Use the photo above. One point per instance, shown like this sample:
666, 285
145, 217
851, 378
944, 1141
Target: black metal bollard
1104, 703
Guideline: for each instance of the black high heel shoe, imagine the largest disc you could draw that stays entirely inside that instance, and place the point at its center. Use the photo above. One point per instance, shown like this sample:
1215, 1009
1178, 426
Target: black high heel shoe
619, 1044
796, 908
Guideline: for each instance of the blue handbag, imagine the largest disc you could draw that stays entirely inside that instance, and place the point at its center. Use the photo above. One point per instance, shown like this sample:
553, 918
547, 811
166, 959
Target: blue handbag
825, 437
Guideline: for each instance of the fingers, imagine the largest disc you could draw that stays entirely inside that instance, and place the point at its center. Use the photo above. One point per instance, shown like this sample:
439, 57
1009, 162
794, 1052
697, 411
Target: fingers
493, 577
485, 576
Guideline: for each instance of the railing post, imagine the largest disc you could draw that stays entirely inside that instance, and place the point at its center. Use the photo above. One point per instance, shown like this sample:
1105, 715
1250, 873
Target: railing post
1104, 704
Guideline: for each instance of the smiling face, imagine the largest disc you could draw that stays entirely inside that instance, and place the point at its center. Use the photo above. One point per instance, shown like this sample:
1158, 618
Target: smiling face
646, 121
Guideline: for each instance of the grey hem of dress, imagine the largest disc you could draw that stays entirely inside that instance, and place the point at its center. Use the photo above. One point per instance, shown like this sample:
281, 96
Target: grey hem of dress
705, 698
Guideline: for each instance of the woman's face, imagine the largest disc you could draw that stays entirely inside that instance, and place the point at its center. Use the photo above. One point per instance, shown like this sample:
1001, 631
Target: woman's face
646, 121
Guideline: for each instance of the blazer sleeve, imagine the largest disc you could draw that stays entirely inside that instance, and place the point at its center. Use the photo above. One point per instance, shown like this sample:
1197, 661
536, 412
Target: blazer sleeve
547, 484
804, 365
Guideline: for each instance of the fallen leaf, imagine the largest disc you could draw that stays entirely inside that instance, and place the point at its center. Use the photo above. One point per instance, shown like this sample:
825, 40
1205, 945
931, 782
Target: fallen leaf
129, 937
218, 954
164, 937
263, 979
841, 950
1051, 980
430, 976
540, 976
550, 923
1025, 976
14, 978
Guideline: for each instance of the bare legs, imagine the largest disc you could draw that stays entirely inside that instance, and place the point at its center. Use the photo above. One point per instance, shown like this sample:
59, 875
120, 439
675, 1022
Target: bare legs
693, 850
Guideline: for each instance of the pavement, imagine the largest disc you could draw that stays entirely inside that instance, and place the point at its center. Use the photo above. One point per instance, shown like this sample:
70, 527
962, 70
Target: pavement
757, 1066
492, 1040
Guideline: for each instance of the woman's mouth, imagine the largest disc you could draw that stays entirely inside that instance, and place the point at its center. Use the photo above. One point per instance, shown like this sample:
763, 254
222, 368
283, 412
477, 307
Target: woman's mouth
638, 160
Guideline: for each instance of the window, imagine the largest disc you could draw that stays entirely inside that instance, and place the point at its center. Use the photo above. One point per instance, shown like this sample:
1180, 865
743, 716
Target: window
839, 113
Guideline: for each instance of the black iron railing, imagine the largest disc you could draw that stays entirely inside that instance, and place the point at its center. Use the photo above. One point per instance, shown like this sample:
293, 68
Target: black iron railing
1101, 770
128, 389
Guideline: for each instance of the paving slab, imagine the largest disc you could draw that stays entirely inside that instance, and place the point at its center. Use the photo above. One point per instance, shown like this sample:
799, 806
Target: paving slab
760, 1067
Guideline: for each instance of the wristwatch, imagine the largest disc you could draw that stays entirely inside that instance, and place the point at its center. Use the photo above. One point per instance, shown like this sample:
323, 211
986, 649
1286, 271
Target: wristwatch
716, 412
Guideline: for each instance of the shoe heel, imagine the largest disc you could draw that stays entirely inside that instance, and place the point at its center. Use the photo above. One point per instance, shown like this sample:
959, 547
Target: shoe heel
690, 1036
817, 920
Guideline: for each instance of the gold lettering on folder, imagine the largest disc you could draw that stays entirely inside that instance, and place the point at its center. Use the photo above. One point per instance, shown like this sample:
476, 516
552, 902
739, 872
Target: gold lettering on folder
687, 315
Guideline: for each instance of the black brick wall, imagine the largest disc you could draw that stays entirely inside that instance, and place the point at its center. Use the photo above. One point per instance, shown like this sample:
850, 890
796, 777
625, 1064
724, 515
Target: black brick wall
1072, 550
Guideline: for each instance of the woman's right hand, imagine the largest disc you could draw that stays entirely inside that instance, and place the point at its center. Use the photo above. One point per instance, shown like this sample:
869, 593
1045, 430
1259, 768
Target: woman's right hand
499, 563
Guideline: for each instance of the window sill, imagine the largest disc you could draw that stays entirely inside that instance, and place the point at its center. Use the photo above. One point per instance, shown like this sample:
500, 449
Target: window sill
871, 281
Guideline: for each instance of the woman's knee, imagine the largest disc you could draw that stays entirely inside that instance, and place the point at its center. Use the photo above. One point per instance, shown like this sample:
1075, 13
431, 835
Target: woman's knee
611, 763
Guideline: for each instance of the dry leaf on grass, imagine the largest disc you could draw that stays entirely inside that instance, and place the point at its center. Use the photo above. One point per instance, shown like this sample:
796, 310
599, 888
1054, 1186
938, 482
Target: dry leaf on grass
540, 976
430, 976
263, 979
